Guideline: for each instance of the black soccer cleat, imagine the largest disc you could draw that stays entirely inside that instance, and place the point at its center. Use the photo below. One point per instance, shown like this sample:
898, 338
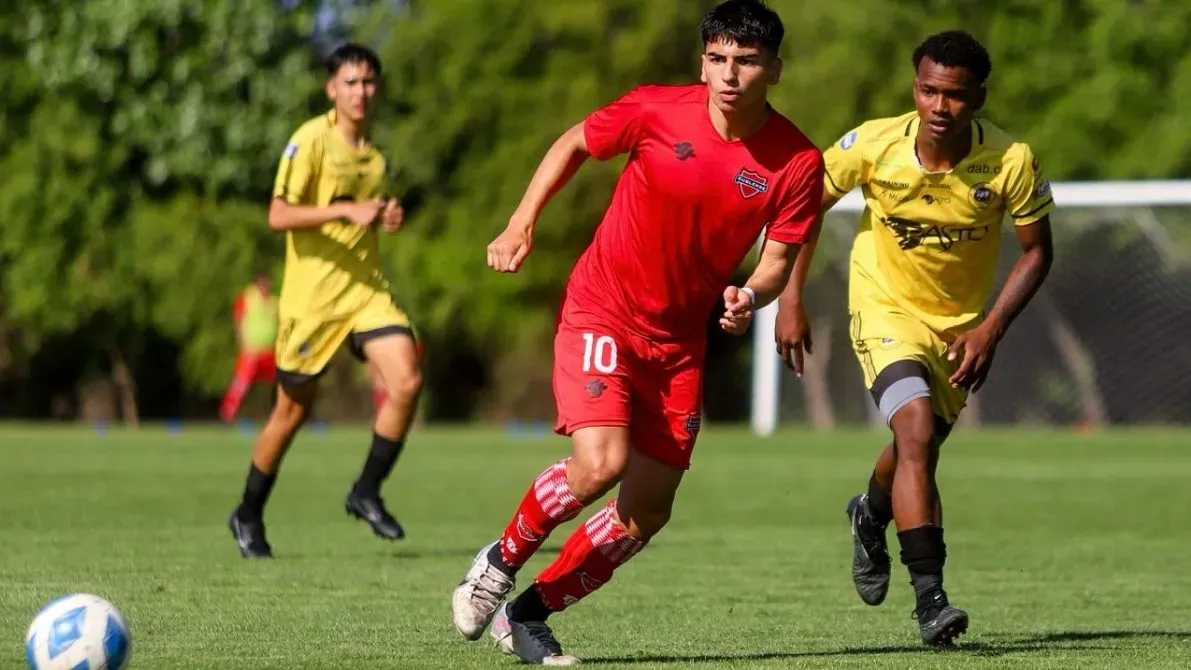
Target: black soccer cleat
870, 553
372, 509
939, 622
250, 536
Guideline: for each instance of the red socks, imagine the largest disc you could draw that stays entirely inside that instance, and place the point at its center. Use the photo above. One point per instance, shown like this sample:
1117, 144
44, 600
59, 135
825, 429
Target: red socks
588, 559
548, 504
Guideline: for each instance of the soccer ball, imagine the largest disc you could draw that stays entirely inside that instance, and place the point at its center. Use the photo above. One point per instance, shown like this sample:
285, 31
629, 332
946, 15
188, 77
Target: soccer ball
78, 632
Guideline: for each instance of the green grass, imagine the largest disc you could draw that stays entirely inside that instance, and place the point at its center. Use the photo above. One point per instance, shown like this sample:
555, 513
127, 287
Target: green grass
1068, 551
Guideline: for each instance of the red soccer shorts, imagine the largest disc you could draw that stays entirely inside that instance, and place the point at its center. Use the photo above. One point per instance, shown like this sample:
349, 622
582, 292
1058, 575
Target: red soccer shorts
606, 377
256, 367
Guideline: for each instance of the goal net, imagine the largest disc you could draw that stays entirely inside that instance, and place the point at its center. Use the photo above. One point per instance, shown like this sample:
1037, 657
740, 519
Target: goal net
1106, 341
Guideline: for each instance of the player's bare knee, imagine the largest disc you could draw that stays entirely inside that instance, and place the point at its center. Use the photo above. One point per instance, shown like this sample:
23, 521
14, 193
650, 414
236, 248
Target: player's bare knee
915, 446
592, 479
595, 468
914, 431
916, 438
405, 387
289, 414
648, 523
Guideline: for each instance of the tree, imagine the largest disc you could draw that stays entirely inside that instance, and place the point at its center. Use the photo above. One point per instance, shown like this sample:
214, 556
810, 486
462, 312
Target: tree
141, 153
468, 128
139, 143
470, 124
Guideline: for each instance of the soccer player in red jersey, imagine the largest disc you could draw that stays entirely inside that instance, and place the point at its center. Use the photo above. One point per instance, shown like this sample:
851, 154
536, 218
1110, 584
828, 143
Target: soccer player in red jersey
710, 167
255, 314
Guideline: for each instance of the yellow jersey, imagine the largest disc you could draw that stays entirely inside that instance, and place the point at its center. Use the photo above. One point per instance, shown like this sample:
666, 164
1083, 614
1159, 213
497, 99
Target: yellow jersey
256, 316
927, 243
332, 270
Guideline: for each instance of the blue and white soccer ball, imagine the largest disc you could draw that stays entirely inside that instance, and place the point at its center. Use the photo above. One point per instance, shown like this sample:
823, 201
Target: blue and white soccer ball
78, 632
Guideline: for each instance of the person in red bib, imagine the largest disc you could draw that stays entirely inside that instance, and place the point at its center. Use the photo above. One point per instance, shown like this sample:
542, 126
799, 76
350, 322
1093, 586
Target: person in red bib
710, 168
255, 314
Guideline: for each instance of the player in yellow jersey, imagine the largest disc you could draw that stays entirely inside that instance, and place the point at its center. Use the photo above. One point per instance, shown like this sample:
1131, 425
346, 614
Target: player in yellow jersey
938, 184
331, 198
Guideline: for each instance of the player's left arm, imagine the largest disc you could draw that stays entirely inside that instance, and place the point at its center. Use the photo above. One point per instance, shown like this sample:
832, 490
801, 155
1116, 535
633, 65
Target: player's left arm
763, 286
1029, 202
1026, 276
796, 223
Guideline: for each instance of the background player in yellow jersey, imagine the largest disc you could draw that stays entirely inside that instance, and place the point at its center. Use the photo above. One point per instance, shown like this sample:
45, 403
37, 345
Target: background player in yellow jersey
330, 198
937, 183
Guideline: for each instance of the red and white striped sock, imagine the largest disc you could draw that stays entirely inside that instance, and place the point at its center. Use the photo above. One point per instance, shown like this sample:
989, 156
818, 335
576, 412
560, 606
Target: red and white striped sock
548, 504
588, 559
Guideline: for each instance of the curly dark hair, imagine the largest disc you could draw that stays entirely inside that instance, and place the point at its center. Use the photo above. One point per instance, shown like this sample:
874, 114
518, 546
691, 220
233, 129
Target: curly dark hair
746, 23
956, 48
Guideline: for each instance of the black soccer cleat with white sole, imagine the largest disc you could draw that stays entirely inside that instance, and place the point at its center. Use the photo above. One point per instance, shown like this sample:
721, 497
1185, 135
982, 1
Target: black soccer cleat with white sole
939, 622
250, 536
372, 509
870, 553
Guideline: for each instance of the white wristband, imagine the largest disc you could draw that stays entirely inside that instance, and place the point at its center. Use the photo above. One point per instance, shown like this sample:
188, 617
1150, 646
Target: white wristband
751, 294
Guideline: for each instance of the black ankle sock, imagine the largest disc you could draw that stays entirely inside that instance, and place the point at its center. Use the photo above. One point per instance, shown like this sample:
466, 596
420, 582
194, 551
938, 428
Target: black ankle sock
256, 493
880, 505
926, 586
924, 554
528, 606
381, 459
498, 559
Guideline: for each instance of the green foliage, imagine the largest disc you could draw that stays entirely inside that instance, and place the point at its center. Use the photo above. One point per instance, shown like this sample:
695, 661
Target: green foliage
506, 79
196, 89
146, 139
483, 89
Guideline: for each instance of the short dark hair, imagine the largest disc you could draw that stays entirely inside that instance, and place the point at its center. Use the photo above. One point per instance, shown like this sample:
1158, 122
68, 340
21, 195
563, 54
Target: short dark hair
956, 48
745, 23
351, 53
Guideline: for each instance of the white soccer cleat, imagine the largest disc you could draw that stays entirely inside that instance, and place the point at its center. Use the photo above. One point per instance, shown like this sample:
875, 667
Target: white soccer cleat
482, 590
531, 641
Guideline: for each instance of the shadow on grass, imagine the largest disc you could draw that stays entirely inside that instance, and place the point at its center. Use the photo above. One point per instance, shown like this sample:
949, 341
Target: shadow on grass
1049, 641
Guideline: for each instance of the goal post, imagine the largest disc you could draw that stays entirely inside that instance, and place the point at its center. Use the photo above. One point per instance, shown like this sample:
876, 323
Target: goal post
1098, 204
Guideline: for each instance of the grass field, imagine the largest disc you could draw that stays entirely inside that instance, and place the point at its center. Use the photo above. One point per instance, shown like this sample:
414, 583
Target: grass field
1068, 551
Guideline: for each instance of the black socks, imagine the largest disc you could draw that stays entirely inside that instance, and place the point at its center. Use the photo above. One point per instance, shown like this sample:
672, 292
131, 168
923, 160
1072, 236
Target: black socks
528, 606
880, 503
256, 493
924, 554
381, 459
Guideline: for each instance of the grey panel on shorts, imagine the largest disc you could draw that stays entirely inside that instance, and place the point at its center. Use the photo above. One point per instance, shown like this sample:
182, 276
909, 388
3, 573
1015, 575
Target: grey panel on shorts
898, 384
901, 392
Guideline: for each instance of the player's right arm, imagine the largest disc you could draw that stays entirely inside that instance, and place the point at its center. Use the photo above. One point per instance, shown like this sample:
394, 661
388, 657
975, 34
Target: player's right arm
295, 176
560, 163
607, 132
844, 169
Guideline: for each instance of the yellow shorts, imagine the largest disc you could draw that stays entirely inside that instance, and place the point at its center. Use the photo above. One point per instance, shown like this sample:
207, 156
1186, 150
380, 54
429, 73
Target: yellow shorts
903, 359
306, 345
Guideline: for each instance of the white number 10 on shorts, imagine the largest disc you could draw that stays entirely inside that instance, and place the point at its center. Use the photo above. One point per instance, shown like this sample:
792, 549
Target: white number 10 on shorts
599, 351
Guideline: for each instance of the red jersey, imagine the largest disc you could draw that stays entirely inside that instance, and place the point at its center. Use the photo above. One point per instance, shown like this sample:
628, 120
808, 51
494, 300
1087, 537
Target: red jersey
687, 209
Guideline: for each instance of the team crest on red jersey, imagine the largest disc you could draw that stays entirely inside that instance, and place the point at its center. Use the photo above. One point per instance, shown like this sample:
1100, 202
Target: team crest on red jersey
751, 183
